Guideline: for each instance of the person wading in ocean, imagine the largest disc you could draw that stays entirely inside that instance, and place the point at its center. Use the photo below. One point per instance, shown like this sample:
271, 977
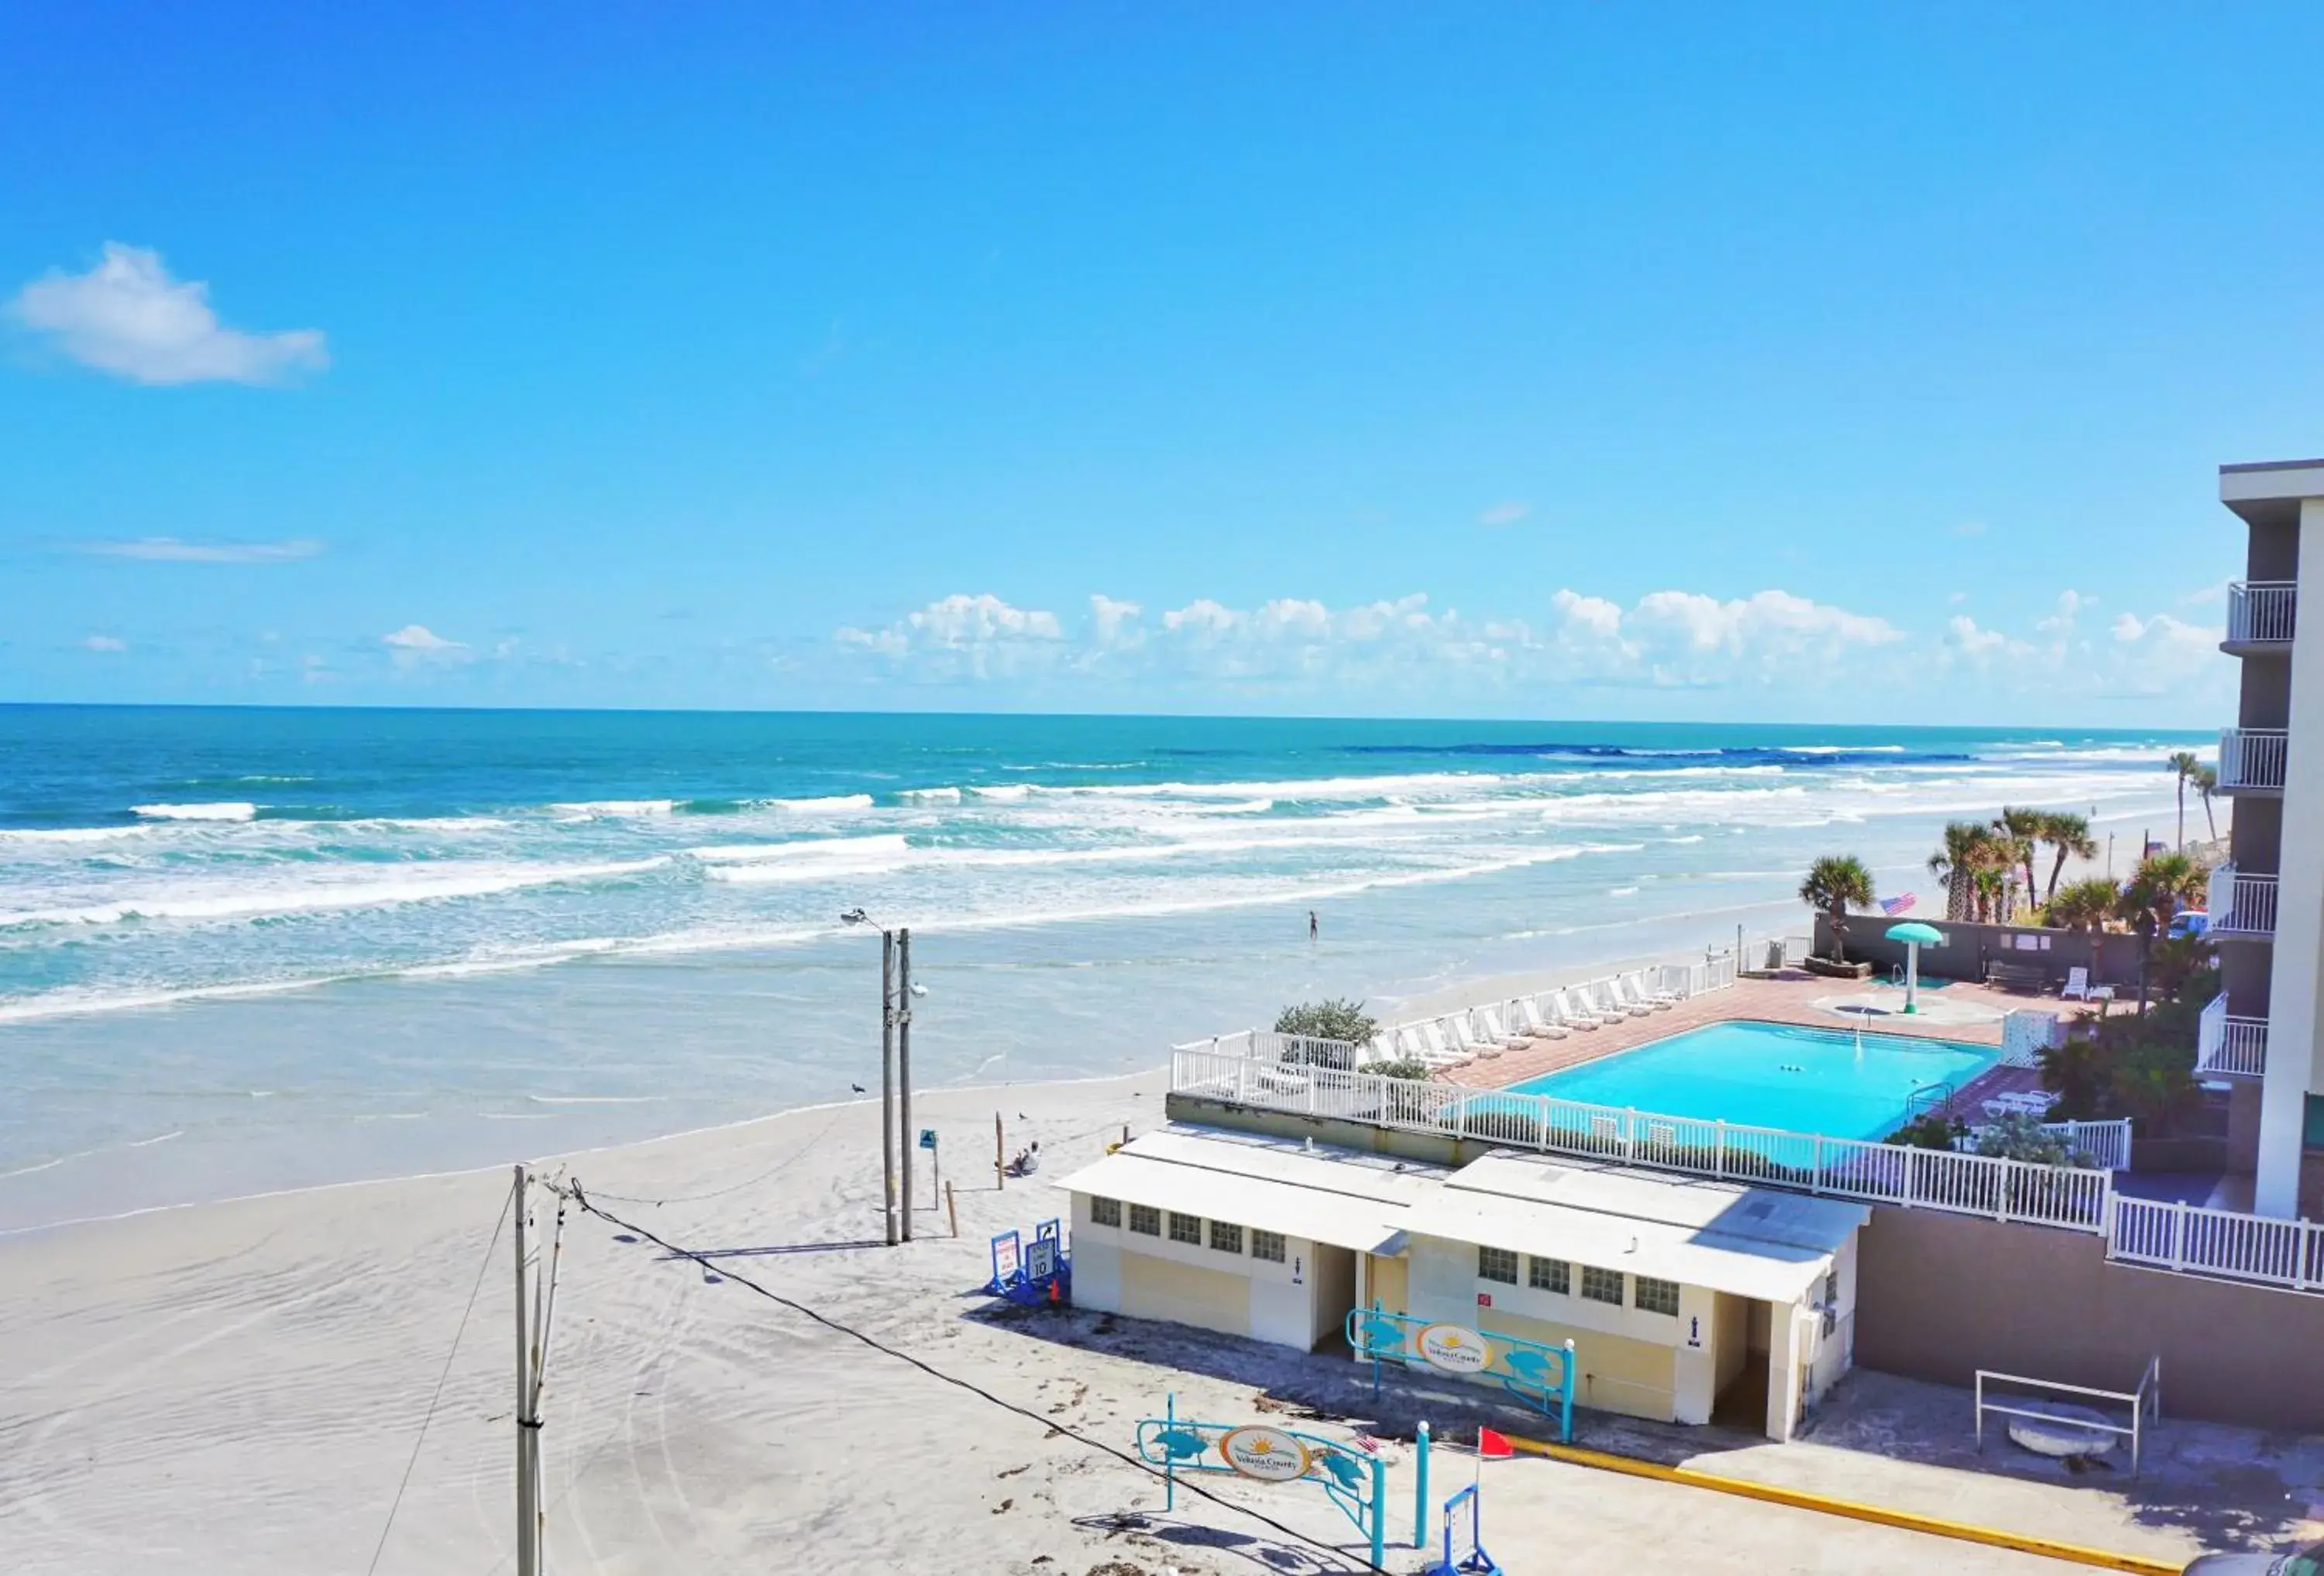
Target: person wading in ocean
1313, 930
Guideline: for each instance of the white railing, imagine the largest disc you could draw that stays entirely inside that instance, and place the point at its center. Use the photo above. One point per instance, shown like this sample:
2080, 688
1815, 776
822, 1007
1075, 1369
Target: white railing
2262, 612
2253, 757
2071, 1197
2241, 905
2145, 1402
2104, 1144
2229, 1045
2221, 1242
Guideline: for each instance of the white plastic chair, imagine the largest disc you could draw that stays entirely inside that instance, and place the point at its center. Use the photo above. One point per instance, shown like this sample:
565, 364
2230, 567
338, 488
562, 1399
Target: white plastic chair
1571, 1012
1533, 1021
1608, 1000
1494, 1024
1467, 1036
2076, 987
1635, 994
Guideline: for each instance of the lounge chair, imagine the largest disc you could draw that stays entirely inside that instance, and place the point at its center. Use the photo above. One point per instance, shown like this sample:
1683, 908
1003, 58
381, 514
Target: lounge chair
2025, 1103
1571, 1012
1606, 999
1435, 1050
1466, 1033
2076, 987
1530, 1019
1635, 991
1494, 1024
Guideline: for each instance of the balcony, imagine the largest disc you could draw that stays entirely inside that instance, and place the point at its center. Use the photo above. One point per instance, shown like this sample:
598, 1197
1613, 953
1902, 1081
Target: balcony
2230, 1047
2260, 615
2241, 906
2251, 760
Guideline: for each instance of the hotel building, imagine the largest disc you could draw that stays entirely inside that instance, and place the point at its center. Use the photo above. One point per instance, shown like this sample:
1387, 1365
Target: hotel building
2267, 901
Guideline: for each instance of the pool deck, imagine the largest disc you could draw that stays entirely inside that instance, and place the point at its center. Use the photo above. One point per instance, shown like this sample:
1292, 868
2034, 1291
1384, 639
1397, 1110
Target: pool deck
1788, 1000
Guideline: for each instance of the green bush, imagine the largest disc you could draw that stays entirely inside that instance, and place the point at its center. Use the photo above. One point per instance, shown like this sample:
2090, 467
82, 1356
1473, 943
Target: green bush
1417, 1070
1332, 1020
2020, 1137
1932, 1130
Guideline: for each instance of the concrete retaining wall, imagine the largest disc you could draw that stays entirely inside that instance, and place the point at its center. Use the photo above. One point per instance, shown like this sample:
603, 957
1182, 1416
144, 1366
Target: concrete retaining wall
1969, 946
1939, 1296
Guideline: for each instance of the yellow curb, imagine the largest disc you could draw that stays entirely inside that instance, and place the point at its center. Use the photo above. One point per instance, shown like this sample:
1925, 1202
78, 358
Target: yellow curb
1909, 1521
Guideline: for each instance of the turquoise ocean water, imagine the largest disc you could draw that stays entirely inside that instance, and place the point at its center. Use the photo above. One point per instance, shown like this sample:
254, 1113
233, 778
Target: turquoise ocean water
244, 949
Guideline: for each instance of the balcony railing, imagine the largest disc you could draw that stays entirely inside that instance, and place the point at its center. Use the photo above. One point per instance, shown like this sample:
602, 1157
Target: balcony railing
2241, 905
2261, 612
2252, 758
2228, 1046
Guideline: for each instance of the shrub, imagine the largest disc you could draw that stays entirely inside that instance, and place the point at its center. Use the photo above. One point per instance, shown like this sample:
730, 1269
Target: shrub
1332, 1020
2020, 1137
1417, 1070
1931, 1130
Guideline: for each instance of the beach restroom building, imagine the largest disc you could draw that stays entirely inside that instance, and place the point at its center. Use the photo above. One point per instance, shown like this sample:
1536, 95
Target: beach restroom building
1687, 1300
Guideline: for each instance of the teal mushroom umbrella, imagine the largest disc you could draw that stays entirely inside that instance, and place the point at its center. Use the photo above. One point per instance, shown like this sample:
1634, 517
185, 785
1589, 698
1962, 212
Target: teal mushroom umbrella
1915, 936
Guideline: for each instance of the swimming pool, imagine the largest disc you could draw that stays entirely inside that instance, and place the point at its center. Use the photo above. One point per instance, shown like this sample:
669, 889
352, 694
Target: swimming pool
1772, 1075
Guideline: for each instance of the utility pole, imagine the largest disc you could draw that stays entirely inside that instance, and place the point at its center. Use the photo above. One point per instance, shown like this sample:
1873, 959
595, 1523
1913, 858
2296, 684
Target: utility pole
528, 1509
532, 1369
887, 1077
904, 1069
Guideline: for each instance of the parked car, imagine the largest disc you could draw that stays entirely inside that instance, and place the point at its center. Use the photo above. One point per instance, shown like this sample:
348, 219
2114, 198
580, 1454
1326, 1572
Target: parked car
2189, 922
2306, 1561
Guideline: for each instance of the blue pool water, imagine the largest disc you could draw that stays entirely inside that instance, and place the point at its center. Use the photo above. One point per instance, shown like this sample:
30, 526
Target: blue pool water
1773, 1076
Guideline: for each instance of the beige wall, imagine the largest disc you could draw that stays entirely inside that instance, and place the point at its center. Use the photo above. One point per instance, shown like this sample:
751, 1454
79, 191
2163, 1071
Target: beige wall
1158, 1288
1120, 1271
1942, 1295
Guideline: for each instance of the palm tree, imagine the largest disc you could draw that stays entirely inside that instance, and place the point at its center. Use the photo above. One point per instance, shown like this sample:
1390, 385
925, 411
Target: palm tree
2022, 832
2161, 885
1836, 883
2206, 783
2069, 837
2086, 904
1968, 849
2183, 762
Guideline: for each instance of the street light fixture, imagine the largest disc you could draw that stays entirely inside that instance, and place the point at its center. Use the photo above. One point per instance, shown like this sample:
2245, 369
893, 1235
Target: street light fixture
896, 993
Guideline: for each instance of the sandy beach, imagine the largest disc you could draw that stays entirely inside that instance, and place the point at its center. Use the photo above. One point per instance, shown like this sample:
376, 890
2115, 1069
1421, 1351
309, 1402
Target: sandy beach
238, 1386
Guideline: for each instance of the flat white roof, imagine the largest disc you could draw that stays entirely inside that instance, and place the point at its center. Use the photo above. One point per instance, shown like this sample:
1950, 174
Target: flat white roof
1345, 1197
1753, 1242
1728, 1209
1736, 1265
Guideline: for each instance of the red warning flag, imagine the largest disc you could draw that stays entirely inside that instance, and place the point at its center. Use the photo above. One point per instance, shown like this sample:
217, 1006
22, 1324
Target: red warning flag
1492, 1446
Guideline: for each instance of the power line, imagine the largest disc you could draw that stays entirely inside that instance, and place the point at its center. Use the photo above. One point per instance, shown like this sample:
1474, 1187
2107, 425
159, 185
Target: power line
573, 1190
438, 1394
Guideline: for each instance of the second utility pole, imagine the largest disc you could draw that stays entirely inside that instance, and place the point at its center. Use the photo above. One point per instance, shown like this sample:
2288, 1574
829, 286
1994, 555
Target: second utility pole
888, 1080
904, 1134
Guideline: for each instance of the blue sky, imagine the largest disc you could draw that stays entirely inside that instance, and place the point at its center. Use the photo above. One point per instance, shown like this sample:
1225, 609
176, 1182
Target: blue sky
1799, 363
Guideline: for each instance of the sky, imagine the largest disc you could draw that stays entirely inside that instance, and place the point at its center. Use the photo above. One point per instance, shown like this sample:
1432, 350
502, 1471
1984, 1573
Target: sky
1811, 362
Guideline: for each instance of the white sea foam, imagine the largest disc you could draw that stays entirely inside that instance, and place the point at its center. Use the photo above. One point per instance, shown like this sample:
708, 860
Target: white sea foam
825, 803
232, 810
617, 807
930, 795
69, 833
816, 849
1005, 793
345, 890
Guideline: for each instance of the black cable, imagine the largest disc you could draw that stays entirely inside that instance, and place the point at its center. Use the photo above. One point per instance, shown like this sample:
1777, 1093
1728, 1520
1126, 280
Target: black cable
439, 1394
1125, 1457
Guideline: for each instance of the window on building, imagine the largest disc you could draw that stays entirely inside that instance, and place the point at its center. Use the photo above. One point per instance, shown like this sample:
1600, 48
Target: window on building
1601, 1286
1226, 1239
1497, 1264
1267, 1245
1105, 1211
1550, 1275
1657, 1296
1146, 1220
1185, 1228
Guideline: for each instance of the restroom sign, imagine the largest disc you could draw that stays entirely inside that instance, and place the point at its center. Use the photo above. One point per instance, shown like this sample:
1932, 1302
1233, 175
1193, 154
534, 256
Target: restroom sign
1454, 1348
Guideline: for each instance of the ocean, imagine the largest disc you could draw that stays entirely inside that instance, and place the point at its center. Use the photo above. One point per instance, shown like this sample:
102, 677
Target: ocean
250, 949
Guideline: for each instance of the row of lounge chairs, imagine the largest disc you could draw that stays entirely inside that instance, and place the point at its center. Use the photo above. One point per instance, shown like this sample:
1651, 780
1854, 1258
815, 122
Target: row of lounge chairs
1458, 1039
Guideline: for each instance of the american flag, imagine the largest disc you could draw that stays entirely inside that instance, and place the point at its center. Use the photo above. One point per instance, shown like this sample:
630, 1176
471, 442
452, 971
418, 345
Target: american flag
1892, 907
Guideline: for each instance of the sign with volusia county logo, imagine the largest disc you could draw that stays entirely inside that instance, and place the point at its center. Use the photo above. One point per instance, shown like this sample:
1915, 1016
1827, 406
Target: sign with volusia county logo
1454, 1348
1268, 1454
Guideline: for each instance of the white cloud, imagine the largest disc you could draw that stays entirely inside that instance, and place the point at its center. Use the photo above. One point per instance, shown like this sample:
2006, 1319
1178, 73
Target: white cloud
104, 643
962, 637
1115, 623
170, 549
128, 316
1507, 513
416, 645
1964, 638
